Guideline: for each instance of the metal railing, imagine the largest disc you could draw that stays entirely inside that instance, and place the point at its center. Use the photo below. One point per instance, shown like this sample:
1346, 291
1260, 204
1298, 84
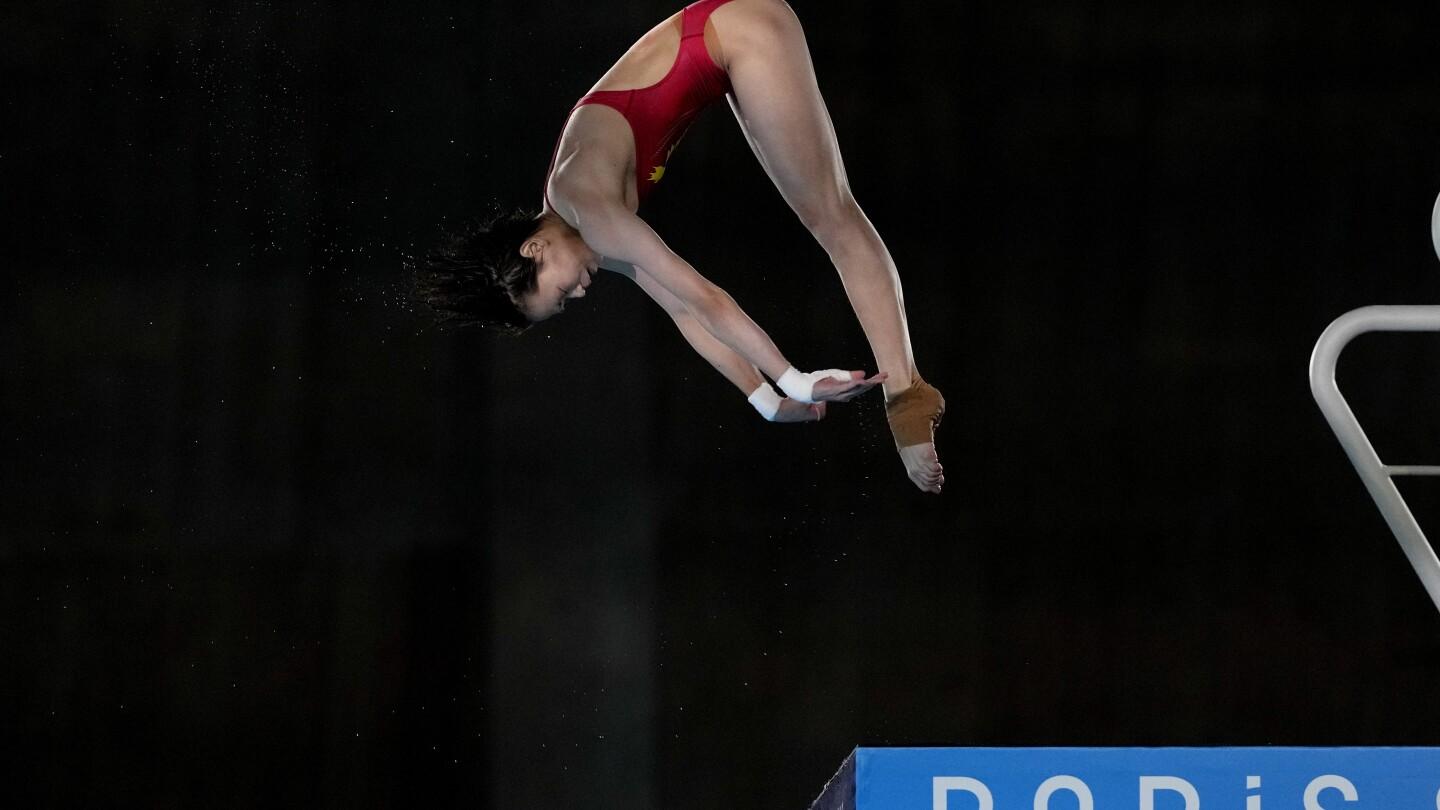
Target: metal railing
1378, 476
1435, 226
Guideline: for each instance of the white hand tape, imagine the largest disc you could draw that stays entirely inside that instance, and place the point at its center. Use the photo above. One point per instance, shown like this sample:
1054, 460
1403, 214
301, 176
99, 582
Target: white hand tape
766, 401
801, 386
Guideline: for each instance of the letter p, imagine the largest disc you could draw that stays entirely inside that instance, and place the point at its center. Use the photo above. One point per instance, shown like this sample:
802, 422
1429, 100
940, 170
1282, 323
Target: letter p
944, 784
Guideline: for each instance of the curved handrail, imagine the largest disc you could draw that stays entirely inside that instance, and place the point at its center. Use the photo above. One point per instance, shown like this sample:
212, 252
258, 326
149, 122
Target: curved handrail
1435, 238
1376, 475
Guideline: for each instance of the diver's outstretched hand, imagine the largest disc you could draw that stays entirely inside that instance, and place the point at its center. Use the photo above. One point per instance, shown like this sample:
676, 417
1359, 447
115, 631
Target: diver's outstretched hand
793, 410
833, 390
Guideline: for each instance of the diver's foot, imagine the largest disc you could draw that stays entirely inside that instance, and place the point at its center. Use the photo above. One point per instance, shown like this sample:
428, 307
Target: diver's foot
914, 413
923, 467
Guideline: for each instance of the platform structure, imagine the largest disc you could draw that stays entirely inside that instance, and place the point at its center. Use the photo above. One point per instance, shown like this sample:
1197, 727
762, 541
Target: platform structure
1141, 778
1377, 475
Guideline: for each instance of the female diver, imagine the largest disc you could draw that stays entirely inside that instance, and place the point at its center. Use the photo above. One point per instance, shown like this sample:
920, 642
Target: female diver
520, 268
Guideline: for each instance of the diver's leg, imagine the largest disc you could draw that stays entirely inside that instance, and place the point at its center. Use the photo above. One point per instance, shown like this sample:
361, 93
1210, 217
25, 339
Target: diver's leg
778, 104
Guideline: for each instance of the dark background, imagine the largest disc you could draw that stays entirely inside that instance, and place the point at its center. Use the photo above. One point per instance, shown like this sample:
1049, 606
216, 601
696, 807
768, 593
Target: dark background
271, 538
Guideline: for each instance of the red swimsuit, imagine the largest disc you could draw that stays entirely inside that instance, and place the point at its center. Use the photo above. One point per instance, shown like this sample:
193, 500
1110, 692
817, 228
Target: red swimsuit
660, 114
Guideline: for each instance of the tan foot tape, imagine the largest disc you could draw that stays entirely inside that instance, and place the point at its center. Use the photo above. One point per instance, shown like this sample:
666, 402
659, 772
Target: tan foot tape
915, 413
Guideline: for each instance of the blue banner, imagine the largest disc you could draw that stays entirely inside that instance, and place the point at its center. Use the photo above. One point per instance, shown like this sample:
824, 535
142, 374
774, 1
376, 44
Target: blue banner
1147, 779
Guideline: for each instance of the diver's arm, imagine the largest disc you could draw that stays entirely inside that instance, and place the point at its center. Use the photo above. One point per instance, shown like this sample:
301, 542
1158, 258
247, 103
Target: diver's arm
616, 232
739, 371
619, 234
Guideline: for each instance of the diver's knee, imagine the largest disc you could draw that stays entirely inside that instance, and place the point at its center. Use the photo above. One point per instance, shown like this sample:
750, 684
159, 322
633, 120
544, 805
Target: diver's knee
832, 216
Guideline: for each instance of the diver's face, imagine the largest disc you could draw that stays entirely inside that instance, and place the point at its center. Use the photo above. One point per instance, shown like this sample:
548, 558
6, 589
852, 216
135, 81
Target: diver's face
564, 268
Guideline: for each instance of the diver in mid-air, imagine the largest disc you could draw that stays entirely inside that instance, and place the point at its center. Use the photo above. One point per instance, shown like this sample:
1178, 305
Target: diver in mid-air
520, 267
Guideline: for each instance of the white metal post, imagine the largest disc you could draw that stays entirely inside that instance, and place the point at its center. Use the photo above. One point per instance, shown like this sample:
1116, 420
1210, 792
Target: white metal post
1376, 475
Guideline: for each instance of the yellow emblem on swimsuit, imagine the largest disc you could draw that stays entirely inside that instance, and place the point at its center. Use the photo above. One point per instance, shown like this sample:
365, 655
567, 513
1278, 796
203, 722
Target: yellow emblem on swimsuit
658, 172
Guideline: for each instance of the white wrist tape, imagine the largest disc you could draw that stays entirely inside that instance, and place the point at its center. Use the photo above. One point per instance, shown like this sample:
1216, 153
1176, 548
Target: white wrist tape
799, 386
766, 401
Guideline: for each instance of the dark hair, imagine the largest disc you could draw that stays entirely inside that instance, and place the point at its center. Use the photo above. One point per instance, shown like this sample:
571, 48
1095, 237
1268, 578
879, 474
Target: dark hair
476, 275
